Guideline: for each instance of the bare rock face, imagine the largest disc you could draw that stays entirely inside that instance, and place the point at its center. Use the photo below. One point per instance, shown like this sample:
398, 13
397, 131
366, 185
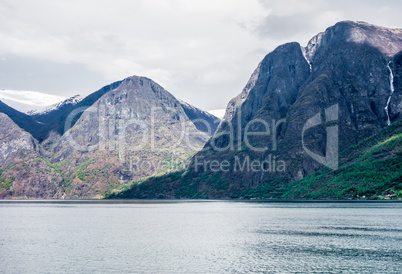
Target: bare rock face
50, 141
350, 72
395, 100
387, 41
13, 141
24, 173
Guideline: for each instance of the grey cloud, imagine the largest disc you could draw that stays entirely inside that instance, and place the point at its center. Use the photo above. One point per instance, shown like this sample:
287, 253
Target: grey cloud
283, 27
23, 73
291, 19
91, 47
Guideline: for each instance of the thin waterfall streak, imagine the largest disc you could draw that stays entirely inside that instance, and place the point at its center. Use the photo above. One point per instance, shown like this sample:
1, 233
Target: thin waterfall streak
391, 83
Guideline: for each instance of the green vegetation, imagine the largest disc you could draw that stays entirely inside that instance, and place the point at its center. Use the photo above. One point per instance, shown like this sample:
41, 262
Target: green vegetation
169, 170
371, 179
370, 170
179, 184
267, 189
66, 178
6, 184
82, 172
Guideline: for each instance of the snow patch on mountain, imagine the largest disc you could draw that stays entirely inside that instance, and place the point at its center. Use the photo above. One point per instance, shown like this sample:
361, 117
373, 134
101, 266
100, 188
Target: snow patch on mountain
70, 101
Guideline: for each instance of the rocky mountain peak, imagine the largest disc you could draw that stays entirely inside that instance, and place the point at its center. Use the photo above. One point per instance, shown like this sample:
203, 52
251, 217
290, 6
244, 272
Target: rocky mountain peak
134, 130
269, 75
386, 40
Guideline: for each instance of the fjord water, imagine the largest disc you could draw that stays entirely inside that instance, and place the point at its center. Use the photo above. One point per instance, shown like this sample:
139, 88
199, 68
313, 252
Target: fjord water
199, 237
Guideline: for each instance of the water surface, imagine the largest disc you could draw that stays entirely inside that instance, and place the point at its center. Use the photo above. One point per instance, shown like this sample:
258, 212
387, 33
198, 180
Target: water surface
200, 237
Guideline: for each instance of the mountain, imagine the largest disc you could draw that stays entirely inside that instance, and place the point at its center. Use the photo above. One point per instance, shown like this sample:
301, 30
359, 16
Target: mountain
135, 130
301, 107
24, 173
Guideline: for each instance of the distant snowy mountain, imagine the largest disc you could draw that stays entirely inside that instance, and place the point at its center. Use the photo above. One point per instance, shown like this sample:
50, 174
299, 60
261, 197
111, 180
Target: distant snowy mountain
29, 101
188, 106
218, 112
70, 101
37, 113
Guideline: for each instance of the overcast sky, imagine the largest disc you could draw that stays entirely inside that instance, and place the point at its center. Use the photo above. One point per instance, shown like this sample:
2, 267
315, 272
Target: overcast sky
203, 52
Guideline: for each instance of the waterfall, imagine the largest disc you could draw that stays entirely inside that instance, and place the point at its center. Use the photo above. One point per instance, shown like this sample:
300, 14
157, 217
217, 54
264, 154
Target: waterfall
391, 83
311, 68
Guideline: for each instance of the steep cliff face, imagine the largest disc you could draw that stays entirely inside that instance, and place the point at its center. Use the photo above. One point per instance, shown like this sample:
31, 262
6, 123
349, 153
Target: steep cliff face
395, 100
300, 109
23, 171
281, 75
350, 73
136, 130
